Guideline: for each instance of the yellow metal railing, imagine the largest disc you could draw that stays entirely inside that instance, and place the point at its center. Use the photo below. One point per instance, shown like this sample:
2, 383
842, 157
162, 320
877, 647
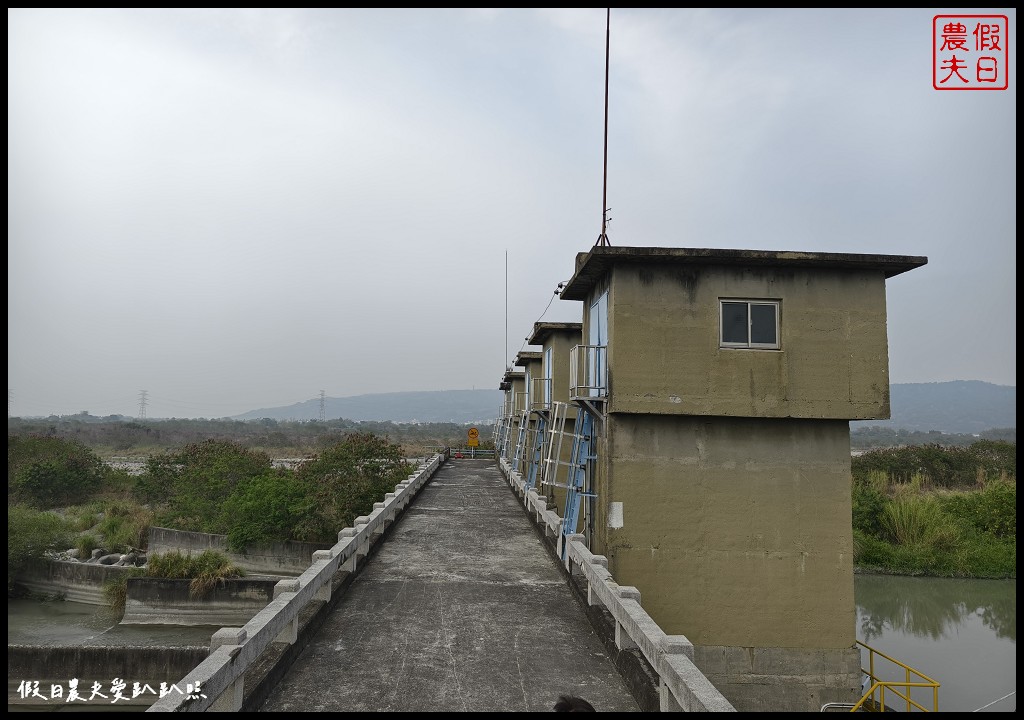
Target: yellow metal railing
875, 697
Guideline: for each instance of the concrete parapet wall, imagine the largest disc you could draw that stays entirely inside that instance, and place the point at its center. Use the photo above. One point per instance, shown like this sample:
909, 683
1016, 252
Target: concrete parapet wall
280, 558
77, 582
235, 650
682, 685
157, 601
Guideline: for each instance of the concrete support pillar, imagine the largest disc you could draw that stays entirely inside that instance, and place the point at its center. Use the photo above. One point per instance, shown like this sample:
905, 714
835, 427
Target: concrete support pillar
231, 699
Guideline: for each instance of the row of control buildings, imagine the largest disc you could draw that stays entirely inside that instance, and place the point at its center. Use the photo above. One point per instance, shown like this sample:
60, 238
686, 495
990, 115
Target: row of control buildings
694, 426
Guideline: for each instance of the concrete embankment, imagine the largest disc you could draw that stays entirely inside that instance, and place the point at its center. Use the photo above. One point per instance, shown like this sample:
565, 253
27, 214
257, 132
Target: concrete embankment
74, 581
157, 601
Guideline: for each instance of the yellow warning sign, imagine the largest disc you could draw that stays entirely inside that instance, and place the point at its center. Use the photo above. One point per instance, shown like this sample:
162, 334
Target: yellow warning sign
474, 438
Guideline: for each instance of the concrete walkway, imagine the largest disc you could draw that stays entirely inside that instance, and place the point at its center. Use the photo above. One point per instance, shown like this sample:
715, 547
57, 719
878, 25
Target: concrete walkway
462, 609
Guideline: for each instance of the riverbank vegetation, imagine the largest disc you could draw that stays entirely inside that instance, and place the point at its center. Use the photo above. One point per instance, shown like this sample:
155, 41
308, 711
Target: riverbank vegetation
917, 510
937, 511
214, 486
31, 533
204, 571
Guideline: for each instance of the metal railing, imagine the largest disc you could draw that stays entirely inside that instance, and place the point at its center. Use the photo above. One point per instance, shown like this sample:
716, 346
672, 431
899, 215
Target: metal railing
874, 699
471, 452
540, 394
588, 371
519, 405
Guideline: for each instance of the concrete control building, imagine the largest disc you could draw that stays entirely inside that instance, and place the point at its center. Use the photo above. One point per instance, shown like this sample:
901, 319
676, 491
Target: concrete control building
721, 385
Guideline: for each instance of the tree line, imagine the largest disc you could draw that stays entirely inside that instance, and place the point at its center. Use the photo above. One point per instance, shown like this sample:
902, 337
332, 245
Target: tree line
113, 436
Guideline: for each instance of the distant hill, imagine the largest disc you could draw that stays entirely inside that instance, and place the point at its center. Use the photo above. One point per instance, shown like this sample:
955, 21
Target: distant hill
456, 406
960, 406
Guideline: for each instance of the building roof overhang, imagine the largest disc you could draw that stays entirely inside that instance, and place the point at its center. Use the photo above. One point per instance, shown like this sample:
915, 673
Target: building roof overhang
592, 266
543, 330
523, 358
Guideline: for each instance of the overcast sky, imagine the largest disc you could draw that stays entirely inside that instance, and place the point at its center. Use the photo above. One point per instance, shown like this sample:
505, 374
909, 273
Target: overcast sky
237, 209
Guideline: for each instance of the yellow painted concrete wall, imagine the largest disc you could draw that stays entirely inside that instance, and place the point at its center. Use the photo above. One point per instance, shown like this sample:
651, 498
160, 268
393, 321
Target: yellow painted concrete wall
664, 354
736, 531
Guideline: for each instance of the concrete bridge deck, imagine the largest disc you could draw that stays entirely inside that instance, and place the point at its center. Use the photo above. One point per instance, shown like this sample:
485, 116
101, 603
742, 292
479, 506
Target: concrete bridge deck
461, 609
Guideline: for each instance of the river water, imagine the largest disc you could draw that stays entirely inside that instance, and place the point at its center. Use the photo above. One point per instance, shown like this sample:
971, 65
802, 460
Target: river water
960, 633
30, 622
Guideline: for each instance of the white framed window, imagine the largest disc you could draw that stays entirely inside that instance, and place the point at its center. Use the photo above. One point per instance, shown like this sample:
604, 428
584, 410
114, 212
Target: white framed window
749, 324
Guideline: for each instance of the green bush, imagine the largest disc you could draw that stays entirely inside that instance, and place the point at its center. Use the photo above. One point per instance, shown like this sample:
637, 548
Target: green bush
918, 521
85, 544
992, 510
125, 526
115, 590
30, 534
86, 516
264, 509
51, 472
193, 484
868, 502
344, 482
205, 569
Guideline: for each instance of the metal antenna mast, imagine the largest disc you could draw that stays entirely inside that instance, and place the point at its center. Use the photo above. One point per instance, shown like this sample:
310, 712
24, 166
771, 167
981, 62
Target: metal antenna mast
603, 237
323, 410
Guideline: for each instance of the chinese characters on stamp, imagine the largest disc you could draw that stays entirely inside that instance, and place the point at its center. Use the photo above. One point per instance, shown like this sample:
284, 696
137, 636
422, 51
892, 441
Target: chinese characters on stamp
970, 52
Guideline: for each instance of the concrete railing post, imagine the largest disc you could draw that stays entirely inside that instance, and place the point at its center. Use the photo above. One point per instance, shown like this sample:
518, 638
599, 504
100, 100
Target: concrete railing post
570, 564
363, 547
353, 558
622, 639
324, 593
231, 699
600, 561
291, 632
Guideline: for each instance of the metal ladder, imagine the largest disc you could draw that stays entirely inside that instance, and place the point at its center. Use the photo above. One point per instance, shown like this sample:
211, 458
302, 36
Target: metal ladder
539, 441
582, 454
498, 428
553, 462
524, 422
506, 435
